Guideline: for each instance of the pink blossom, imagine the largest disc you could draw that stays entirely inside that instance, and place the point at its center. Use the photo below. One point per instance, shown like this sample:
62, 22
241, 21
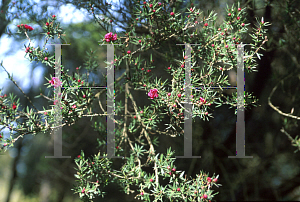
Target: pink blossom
153, 93
114, 38
28, 27
55, 82
110, 37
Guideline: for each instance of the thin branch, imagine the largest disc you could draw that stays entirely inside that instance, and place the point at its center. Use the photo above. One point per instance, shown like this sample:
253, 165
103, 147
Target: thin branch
275, 108
18, 87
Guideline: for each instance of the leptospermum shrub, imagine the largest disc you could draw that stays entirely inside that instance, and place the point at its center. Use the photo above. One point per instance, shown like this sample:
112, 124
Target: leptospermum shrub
216, 54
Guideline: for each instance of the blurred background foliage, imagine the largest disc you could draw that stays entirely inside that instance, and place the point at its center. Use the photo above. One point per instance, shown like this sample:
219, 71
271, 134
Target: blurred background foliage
272, 174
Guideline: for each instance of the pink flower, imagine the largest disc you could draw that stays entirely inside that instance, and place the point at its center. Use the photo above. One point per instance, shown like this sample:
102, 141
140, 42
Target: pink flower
28, 27
153, 93
110, 37
114, 38
74, 106
172, 13
202, 100
55, 82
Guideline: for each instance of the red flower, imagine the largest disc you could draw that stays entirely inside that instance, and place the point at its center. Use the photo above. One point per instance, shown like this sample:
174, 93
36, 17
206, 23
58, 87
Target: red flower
46, 58
18, 25
28, 27
172, 13
14, 106
205, 24
238, 18
53, 16
128, 52
153, 93
110, 37
47, 23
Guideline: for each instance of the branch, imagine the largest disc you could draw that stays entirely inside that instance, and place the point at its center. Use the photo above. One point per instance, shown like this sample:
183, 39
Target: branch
275, 108
18, 87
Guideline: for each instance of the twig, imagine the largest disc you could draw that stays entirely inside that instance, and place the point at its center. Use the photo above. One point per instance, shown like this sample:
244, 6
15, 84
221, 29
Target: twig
18, 87
275, 108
